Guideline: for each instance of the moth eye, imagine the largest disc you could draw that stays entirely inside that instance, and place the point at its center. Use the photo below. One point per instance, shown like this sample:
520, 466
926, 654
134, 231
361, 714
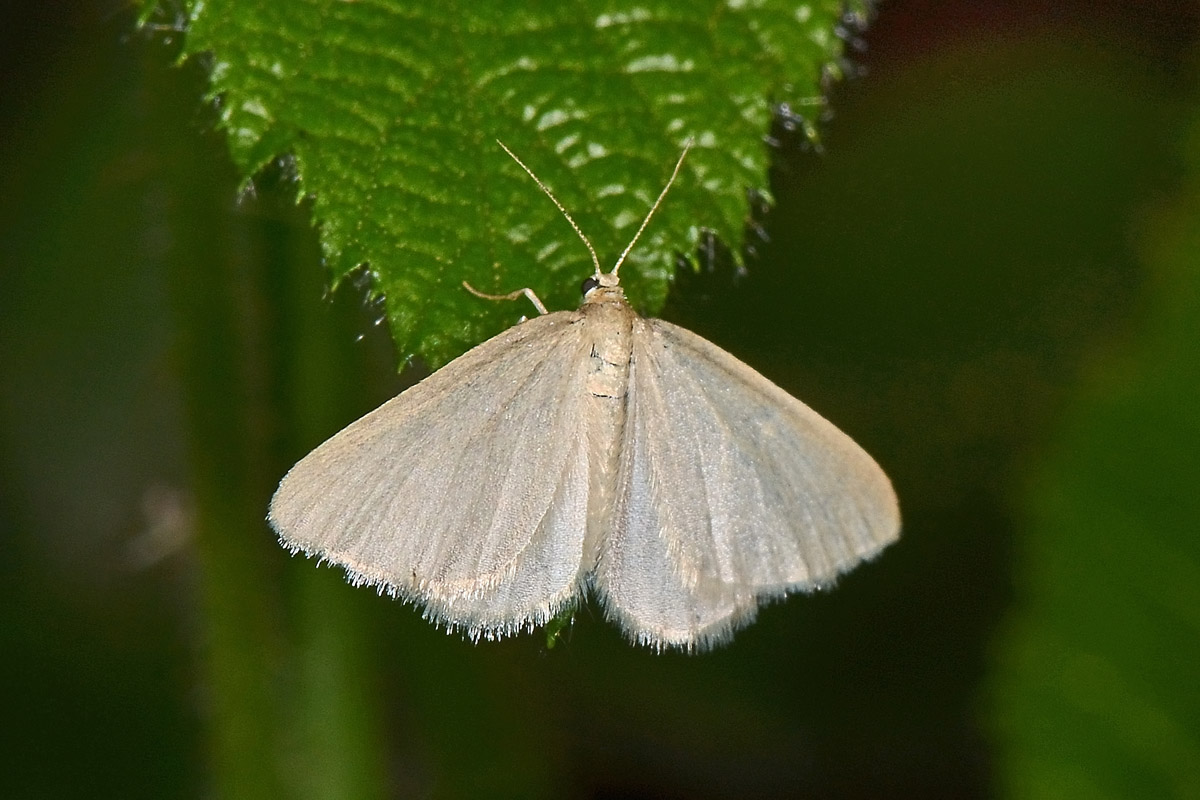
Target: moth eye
588, 284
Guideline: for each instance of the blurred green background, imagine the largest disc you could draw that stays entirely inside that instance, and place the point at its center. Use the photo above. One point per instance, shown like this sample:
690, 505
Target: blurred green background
990, 278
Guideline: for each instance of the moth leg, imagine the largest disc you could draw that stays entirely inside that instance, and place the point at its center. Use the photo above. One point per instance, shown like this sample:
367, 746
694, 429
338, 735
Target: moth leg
533, 298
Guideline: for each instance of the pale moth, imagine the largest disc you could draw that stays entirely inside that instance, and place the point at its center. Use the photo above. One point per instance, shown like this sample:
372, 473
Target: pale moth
591, 452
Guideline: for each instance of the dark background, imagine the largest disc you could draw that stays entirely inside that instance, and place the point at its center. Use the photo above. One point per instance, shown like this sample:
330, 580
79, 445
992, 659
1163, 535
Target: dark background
938, 282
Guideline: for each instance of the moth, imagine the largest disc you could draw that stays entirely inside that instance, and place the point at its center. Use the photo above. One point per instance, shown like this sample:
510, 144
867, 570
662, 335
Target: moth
591, 452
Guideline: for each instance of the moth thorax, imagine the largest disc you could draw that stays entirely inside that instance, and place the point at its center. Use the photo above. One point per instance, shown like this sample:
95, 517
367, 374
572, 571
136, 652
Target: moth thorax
609, 324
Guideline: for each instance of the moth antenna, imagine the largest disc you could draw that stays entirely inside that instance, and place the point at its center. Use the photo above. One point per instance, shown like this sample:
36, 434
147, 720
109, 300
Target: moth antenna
542, 186
686, 146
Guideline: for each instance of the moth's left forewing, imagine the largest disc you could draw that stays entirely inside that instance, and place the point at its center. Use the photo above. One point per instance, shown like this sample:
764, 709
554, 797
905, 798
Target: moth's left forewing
466, 494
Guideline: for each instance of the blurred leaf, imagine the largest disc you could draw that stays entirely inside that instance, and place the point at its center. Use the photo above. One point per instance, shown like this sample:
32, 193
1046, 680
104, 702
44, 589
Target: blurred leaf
1096, 692
391, 110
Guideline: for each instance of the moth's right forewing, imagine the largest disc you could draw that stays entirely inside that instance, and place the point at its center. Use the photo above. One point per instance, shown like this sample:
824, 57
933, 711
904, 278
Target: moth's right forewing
467, 492
730, 491
793, 501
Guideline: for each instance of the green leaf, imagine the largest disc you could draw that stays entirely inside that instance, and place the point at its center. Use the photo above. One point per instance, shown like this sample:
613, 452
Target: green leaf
557, 627
390, 112
1096, 692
